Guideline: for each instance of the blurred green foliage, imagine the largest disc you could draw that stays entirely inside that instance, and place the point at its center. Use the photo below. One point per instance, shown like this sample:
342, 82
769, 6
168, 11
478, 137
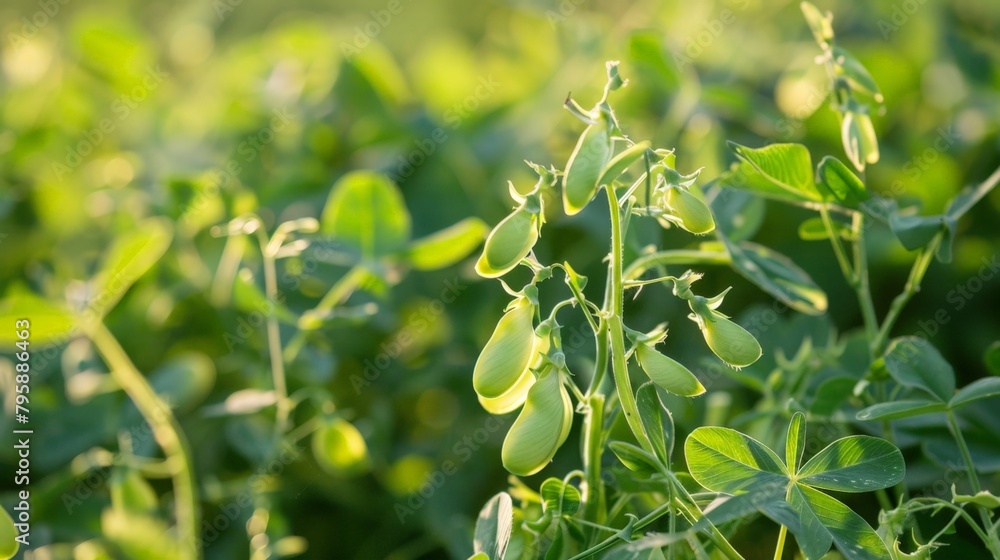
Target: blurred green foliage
116, 111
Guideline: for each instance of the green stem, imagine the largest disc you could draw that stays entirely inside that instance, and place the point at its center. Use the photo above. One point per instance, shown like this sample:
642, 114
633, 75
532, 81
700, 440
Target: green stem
838, 249
964, 449
912, 287
616, 330
166, 430
593, 445
675, 256
860, 281
282, 404
779, 549
339, 292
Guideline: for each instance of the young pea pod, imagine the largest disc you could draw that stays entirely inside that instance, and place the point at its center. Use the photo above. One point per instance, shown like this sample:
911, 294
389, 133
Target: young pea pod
541, 427
691, 211
586, 165
509, 242
860, 141
727, 340
514, 397
131, 493
507, 353
621, 162
668, 373
8, 535
340, 449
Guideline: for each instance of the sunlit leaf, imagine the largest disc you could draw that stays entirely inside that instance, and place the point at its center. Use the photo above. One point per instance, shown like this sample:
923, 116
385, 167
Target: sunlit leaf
854, 464
493, 527
448, 246
366, 212
900, 409
131, 256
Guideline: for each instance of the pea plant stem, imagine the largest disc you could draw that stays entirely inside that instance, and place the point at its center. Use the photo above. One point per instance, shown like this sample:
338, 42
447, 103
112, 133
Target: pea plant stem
779, 549
166, 430
912, 287
616, 330
963, 448
282, 409
593, 445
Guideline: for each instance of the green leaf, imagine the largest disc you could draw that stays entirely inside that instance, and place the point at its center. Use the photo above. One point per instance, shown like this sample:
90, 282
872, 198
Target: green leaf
249, 298
184, 380
366, 212
842, 183
812, 537
853, 537
831, 393
855, 72
131, 493
139, 536
8, 534
48, 323
657, 421
786, 166
724, 460
795, 442
494, 526
814, 229
738, 214
448, 246
560, 498
819, 23
967, 198
854, 464
131, 256
647, 52
900, 409
634, 458
915, 232
777, 275
914, 362
981, 389
991, 358
557, 550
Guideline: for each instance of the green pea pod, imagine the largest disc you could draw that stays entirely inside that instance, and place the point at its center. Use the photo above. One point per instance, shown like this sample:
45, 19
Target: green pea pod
509, 242
860, 141
541, 427
507, 353
691, 211
727, 340
340, 449
8, 534
131, 493
585, 167
515, 396
621, 162
668, 373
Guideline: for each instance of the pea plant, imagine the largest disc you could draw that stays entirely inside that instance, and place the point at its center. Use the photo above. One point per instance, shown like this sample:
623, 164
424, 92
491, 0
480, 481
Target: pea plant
655, 504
